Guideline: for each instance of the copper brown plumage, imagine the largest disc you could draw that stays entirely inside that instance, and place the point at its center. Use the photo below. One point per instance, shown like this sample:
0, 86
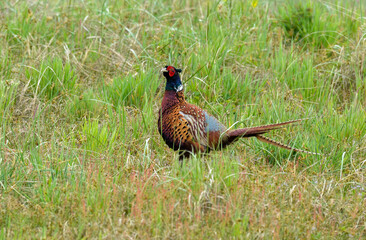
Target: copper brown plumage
189, 129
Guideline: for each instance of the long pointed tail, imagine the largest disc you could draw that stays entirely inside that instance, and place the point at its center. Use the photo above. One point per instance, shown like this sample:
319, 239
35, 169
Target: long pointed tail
254, 131
281, 145
257, 132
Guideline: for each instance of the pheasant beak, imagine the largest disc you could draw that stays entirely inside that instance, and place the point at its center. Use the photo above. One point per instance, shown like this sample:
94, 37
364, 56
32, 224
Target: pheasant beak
164, 69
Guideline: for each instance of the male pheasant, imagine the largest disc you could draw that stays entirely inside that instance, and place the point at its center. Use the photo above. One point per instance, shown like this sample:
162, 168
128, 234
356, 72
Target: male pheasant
189, 129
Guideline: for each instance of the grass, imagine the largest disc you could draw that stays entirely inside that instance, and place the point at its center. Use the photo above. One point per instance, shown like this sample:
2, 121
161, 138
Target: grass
80, 154
52, 79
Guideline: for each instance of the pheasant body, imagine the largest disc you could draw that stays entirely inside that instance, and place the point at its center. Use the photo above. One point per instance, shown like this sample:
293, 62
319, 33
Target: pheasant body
189, 129
184, 126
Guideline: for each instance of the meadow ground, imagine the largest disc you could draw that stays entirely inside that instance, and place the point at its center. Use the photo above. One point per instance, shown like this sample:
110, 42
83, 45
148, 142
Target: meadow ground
80, 154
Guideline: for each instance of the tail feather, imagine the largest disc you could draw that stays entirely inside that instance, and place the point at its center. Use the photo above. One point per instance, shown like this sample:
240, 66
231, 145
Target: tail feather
257, 132
281, 145
253, 131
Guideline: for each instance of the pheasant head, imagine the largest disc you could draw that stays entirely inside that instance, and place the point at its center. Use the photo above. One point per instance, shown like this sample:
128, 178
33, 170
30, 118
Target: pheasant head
173, 81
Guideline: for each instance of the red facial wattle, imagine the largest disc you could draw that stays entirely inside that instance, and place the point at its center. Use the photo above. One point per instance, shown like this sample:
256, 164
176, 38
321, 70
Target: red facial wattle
171, 71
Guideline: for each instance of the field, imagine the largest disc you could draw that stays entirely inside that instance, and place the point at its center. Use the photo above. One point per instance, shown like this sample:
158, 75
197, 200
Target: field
80, 87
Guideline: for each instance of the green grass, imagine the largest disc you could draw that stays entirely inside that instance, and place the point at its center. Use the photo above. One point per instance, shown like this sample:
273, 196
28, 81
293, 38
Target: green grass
80, 154
52, 79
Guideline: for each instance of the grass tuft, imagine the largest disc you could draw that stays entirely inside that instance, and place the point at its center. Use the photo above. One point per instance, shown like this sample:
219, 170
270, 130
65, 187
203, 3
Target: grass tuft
52, 79
315, 24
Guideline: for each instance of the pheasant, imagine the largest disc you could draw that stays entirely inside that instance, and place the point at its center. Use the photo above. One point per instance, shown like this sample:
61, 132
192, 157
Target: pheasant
188, 129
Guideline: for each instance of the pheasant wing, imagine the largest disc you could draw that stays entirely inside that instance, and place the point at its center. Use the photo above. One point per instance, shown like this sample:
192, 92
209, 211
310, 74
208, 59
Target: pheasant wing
205, 128
196, 120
